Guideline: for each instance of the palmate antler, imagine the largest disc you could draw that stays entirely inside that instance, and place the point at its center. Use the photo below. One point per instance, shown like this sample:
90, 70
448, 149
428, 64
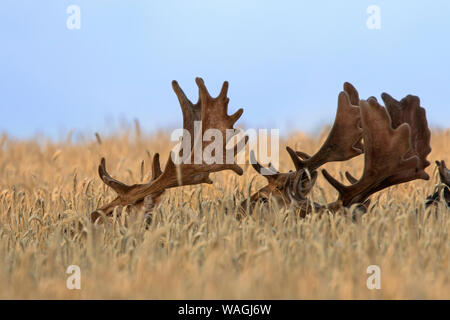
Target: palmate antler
212, 113
344, 139
396, 145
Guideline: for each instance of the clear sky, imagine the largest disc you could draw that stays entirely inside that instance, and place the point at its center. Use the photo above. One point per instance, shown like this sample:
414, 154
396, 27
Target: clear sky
286, 60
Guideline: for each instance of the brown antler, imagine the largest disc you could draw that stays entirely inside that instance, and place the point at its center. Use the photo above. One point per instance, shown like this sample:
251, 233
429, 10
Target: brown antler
396, 145
409, 111
122, 189
207, 113
344, 139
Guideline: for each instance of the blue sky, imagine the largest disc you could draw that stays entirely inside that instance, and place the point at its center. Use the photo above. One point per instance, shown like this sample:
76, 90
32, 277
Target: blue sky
286, 60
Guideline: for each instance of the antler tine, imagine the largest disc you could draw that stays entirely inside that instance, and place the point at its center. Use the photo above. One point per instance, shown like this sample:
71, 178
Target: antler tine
385, 150
267, 172
156, 167
224, 91
303, 155
202, 90
296, 159
191, 112
344, 139
235, 116
117, 186
352, 93
350, 178
184, 101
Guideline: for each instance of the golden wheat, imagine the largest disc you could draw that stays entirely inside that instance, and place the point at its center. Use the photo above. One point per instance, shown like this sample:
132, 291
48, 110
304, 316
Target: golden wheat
195, 249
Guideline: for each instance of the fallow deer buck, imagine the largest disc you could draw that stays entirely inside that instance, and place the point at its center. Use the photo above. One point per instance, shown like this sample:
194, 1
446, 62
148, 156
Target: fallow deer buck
443, 189
396, 143
213, 114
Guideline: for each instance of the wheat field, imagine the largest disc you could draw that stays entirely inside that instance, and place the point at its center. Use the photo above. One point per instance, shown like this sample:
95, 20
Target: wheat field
195, 249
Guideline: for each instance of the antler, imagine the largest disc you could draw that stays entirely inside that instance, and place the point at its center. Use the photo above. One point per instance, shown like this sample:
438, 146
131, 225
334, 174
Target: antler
344, 139
396, 145
207, 113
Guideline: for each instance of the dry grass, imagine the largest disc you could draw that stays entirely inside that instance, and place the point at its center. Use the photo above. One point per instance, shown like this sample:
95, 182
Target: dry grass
194, 249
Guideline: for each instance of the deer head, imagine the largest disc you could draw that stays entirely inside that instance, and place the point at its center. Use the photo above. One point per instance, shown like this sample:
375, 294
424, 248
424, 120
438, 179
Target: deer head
342, 143
213, 114
287, 189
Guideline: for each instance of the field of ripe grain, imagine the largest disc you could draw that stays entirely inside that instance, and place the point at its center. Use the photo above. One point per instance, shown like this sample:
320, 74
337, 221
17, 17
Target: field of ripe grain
194, 249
